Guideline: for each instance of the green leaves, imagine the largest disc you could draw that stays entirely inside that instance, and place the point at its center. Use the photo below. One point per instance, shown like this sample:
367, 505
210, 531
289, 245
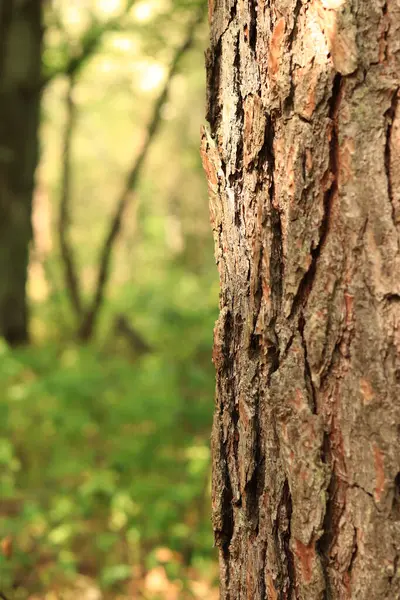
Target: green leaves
97, 448
116, 574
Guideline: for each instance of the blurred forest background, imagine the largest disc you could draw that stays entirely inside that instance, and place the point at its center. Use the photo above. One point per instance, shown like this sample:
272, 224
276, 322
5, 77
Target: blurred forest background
105, 416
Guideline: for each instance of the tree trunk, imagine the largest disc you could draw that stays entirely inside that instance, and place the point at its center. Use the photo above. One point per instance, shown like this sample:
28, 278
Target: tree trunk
20, 59
303, 165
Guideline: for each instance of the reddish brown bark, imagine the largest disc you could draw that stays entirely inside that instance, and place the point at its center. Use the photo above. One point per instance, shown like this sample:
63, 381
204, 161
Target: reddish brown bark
302, 158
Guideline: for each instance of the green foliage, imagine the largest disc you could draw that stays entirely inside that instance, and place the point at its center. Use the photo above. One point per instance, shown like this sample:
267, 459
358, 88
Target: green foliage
103, 458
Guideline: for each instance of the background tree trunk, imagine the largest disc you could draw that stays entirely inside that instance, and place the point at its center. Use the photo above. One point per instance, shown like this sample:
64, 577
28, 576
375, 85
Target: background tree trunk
20, 59
303, 165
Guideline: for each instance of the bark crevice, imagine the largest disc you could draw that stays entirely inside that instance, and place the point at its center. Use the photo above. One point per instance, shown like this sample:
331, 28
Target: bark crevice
390, 115
253, 25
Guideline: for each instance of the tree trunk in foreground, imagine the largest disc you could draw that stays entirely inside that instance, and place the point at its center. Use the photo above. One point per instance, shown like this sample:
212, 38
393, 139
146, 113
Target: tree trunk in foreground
303, 165
20, 59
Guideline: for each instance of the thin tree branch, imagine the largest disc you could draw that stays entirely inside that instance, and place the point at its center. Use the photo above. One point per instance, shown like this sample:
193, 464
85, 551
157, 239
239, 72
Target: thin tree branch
67, 255
90, 42
124, 328
88, 323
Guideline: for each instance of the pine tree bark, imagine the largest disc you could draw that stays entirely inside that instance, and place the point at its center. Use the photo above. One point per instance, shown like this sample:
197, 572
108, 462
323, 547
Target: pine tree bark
20, 60
302, 158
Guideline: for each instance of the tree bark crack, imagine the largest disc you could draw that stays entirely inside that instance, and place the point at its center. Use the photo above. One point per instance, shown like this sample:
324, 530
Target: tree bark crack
289, 101
307, 369
390, 115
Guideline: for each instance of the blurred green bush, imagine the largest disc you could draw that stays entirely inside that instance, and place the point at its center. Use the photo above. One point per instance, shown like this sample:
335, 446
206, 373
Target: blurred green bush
104, 457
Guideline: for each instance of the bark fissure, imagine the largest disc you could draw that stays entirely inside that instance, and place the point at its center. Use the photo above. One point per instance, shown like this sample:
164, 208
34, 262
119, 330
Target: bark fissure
213, 66
237, 184
255, 485
291, 40
307, 369
395, 567
276, 267
385, 25
354, 553
253, 25
290, 583
389, 115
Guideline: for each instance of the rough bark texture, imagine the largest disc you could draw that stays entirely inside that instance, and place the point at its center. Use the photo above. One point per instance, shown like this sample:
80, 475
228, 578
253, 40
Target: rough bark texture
303, 163
20, 59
